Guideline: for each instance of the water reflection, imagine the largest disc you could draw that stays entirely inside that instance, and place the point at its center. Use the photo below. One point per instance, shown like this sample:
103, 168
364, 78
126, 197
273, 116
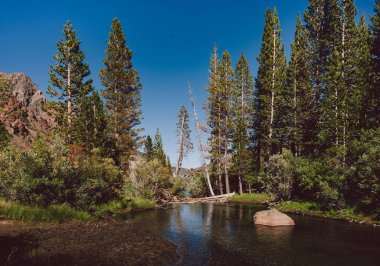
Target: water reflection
224, 234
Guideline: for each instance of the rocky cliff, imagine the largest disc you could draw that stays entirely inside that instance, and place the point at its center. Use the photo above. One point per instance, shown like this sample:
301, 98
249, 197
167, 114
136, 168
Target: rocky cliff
24, 111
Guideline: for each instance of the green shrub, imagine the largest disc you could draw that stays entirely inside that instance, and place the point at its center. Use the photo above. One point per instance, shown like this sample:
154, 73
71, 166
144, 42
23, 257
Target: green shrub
363, 178
152, 180
48, 175
279, 175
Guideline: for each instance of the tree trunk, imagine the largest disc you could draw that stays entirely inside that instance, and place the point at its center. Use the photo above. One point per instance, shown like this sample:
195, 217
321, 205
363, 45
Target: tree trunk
69, 96
199, 135
273, 86
180, 148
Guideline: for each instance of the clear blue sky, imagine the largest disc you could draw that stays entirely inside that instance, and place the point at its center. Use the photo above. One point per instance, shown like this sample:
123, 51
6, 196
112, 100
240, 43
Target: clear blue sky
171, 39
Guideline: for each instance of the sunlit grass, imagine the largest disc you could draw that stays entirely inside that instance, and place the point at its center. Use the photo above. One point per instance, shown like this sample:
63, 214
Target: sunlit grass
56, 213
125, 205
251, 198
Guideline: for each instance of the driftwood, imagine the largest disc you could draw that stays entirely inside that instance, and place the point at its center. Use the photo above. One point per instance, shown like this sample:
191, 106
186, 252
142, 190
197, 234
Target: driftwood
218, 198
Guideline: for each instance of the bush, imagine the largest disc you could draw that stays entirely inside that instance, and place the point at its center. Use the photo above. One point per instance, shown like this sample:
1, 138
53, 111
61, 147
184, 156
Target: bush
47, 175
196, 184
279, 175
363, 178
152, 180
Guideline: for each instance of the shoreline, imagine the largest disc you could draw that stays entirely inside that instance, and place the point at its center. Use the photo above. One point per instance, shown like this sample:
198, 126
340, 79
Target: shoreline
106, 242
287, 207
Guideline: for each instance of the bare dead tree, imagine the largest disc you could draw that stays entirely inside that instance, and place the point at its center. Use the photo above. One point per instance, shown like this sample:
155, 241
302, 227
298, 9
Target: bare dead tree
199, 137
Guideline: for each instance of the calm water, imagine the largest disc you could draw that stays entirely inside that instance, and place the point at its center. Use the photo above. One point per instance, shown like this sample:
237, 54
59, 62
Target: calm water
219, 234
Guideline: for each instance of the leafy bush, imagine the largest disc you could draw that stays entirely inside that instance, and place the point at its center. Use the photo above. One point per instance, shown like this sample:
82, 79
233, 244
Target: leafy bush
196, 184
279, 175
363, 178
50, 175
152, 180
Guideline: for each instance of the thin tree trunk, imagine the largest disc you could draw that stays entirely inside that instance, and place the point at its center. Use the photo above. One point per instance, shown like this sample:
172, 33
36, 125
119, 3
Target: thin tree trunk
273, 86
69, 96
180, 148
226, 176
199, 135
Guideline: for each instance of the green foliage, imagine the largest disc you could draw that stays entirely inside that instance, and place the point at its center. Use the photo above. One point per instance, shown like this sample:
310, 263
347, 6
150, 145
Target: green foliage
91, 125
122, 94
196, 184
124, 205
46, 176
4, 136
68, 79
148, 148
242, 110
258, 198
269, 123
151, 180
363, 179
279, 176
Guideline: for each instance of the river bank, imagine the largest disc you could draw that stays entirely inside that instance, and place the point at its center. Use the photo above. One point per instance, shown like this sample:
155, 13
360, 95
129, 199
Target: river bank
102, 242
305, 208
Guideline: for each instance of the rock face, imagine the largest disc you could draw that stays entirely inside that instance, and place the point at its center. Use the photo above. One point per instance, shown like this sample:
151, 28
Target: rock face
24, 114
272, 217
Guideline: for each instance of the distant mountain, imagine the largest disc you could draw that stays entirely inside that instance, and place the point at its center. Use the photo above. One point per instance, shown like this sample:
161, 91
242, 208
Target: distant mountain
24, 114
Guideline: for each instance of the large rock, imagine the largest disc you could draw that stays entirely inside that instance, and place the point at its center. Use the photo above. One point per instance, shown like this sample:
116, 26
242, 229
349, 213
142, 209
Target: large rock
272, 217
24, 113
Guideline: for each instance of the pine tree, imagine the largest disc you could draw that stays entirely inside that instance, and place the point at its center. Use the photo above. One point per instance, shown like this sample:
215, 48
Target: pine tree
183, 132
122, 94
226, 87
68, 78
364, 74
148, 148
214, 119
374, 114
299, 95
158, 149
242, 111
91, 123
269, 95
322, 21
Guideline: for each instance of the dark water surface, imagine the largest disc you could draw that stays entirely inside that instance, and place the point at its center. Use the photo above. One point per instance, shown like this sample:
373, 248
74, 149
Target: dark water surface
219, 234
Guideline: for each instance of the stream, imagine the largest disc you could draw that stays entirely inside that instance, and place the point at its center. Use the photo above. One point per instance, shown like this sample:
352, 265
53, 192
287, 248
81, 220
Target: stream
224, 234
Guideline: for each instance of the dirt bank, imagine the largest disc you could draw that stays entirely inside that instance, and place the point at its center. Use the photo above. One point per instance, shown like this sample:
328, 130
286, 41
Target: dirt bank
83, 243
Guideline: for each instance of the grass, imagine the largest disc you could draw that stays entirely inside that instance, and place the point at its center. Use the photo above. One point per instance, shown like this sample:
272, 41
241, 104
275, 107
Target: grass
251, 198
60, 213
56, 213
313, 209
305, 208
126, 205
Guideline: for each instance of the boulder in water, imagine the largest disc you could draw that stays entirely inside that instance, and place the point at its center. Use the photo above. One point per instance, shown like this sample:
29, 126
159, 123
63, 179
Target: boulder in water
272, 217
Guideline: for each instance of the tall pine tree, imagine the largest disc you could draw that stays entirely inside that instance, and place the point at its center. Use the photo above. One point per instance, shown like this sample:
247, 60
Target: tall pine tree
269, 95
299, 95
242, 111
69, 79
214, 118
374, 113
122, 94
226, 87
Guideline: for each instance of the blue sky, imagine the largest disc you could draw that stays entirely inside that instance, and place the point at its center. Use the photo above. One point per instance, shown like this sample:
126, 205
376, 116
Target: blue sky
171, 40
